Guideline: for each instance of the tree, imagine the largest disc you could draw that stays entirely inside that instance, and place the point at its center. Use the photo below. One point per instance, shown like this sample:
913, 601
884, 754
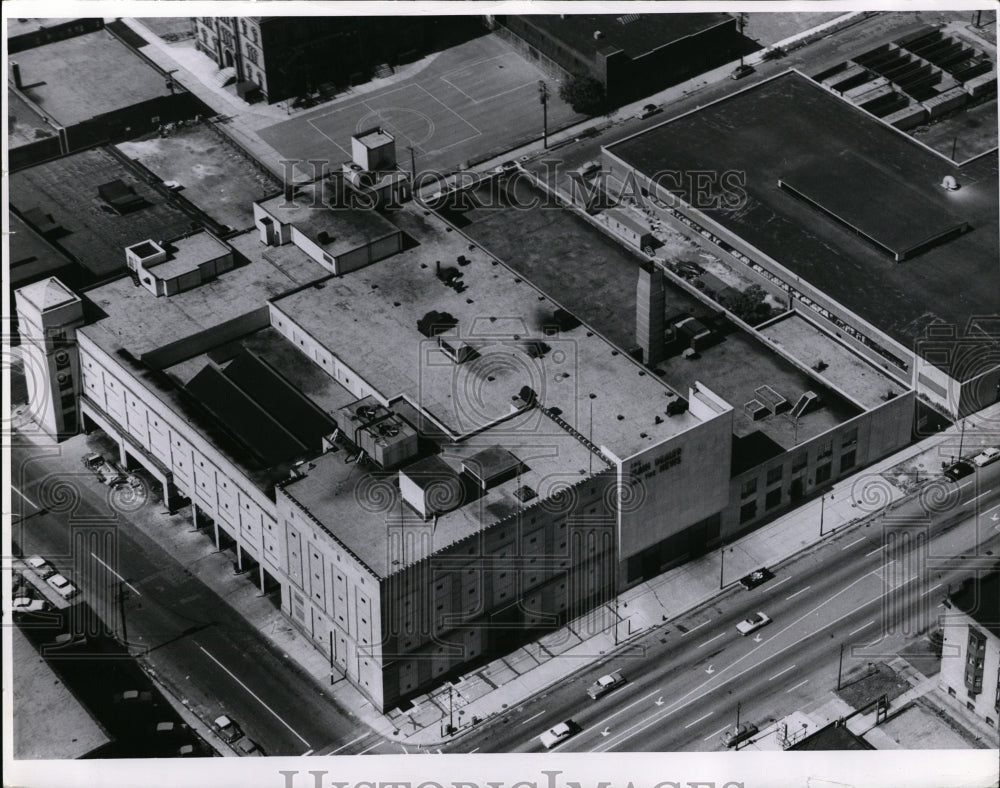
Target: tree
583, 93
749, 306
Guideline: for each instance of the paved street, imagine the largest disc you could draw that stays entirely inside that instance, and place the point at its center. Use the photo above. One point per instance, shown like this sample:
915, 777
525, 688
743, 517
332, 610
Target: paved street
204, 652
872, 590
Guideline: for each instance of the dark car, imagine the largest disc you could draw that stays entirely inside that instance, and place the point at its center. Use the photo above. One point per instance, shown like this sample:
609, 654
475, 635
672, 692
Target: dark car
739, 734
742, 70
756, 578
959, 470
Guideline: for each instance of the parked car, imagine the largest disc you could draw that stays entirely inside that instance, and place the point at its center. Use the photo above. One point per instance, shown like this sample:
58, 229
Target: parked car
68, 640
229, 730
558, 734
133, 696
687, 268
42, 568
186, 751
752, 624
958, 470
742, 70
249, 748
986, 456
170, 727
507, 167
24, 605
756, 578
106, 470
739, 734
605, 684
62, 586
648, 111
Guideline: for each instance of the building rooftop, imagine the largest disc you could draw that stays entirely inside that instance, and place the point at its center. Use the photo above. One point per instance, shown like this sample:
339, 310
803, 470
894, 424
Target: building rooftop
979, 598
18, 27
369, 319
186, 254
374, 138
779, 125
635, 34
48, 294
24, 124
361, 506
137, 321
831, 361
30, 254
87, 76
41, 697
835, 736
92, 232
335, 231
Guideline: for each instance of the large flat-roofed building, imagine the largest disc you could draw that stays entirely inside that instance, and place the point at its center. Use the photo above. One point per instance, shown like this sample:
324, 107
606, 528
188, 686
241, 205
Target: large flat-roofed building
845, 216
93, 89
29, 33
631, 55
970, 662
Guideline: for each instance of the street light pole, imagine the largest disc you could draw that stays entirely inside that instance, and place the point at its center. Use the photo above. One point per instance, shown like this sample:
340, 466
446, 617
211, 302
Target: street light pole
543, 98
722, 564
840, 666
822, 511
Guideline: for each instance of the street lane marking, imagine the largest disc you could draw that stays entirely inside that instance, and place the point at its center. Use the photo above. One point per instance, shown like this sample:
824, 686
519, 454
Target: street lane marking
472, 751
782, 672
929, 590
703, 717
369, 749
783, 580
405, 751
790, 689
112, 571
713, 735
863, 626
683, 701
973, 500
253, 695
699, 626
859, 539
307, 752
25, 497
712, 640
534, 716
877, 549
345, 746
800, 591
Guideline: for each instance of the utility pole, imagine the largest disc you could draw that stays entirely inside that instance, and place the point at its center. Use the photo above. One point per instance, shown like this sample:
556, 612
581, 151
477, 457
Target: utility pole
722, 564
121, 612
961, 440
736, 730
840, 666
413, 164
822, 510
451, 712
543, 98
741, 20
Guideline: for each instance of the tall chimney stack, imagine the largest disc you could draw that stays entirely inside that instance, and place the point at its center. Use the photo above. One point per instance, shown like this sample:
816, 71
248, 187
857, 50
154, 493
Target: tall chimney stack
650, 304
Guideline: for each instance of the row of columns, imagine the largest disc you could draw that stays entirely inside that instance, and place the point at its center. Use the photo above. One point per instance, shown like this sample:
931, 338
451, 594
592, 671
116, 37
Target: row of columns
218, 546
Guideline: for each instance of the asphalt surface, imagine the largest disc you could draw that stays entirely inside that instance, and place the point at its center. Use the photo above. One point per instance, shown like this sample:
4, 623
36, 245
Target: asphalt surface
872, 589
199, 647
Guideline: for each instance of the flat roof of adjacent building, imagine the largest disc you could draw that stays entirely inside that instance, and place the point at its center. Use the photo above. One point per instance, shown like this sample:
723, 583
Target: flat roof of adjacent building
18, 27
30, 254
369, 319
87, 76
92, 233
835, 736
346, 230
24, 124
40, 698
788, 122
186, 254
361, 506
634, 34
979, 598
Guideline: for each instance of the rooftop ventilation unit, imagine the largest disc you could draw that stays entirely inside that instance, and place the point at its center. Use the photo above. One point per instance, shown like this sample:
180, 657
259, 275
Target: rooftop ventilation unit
772, 399
755, 410
388, 430
366, 412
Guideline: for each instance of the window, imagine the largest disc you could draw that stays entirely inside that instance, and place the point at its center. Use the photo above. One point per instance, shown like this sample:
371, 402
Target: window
774, 475
772, 499
823, 473
850, 438
847, 460
749, 488
825, 449
748, 511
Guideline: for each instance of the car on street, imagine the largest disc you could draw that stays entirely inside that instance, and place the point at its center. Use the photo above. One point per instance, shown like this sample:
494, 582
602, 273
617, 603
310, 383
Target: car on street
558, 734
170, 727
756, 577
739, 734
648, 111
42, 568
606, 684
62, 586
752, 624
24, 605
986, 456
133, 696
186, 751
742, 70
228, 730
249, 748
958, 470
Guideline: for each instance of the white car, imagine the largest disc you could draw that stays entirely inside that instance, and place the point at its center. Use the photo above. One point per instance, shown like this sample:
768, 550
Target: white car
752, 624
42, 568
605, 684
23, 605
986, 456
62, 586
558, 734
